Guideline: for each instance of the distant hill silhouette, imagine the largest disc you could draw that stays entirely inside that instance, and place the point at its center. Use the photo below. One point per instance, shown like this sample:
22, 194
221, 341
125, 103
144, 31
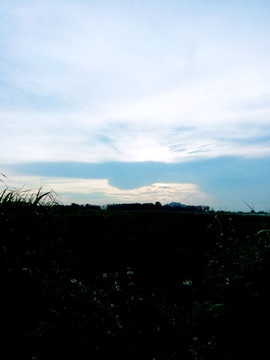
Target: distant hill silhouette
177, 206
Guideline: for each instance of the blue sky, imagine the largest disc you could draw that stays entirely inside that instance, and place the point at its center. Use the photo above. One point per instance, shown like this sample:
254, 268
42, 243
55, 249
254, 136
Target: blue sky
126, 101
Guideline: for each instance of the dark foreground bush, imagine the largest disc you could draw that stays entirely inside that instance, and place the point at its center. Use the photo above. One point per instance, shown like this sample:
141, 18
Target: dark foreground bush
92, 284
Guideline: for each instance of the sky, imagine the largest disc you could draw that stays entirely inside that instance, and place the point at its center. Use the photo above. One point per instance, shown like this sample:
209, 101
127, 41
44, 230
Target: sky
116, 101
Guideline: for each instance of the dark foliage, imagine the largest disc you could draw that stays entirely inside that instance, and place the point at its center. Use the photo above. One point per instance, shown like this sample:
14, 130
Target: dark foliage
85, 283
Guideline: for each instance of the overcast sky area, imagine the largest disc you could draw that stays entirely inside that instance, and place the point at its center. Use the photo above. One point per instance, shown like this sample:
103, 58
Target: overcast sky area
137, 101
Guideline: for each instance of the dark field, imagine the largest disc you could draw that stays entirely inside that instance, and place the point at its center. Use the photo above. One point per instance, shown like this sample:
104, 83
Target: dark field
80, 283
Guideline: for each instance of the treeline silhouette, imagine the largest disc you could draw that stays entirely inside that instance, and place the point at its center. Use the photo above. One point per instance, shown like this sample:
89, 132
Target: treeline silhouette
147, 206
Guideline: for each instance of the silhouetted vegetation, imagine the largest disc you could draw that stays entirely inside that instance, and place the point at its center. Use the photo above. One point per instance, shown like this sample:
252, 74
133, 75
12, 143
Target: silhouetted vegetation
79, 282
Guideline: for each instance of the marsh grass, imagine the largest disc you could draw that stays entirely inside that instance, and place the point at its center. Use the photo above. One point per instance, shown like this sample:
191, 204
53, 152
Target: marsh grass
21, 196
43, 196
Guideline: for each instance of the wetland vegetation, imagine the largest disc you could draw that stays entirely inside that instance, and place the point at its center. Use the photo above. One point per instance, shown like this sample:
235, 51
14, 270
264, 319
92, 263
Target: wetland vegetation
81, 282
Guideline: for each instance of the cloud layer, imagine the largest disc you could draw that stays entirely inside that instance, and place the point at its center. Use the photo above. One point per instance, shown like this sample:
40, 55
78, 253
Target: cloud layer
171, 82
229, 181
100, 192
119, 83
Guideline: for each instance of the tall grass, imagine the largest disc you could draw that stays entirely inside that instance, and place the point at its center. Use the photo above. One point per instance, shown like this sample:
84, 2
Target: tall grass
13, 196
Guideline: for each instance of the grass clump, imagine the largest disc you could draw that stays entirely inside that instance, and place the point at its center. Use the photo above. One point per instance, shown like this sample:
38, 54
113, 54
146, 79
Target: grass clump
12, 196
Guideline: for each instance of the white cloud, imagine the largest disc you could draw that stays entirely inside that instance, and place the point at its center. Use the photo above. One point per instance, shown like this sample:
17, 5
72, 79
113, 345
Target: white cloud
74, 73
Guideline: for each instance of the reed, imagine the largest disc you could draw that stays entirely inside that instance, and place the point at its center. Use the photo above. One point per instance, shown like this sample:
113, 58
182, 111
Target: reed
43, 196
